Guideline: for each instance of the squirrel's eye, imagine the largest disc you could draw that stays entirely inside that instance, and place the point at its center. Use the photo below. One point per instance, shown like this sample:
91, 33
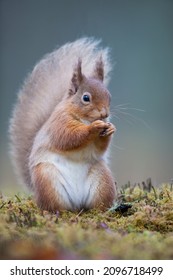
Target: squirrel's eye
86, 98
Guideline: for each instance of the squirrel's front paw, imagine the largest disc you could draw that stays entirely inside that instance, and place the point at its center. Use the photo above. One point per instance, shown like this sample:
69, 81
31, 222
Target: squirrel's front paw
102, 128
108, 131
98, 127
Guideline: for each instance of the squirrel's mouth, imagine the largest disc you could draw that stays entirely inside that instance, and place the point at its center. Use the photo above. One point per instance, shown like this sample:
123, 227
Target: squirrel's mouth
101, 117
105, 119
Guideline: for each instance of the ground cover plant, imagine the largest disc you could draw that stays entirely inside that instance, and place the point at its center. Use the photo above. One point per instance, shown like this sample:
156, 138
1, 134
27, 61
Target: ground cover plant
138, 226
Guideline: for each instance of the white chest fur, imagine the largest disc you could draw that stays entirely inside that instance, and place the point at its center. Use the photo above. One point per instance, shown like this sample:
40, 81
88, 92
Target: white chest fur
73, 176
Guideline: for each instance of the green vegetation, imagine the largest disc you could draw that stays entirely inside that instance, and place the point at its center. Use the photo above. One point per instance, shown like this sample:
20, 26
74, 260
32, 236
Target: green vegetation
139, 226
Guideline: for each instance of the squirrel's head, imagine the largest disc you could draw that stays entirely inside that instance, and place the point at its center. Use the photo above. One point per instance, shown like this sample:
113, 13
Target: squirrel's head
88, 95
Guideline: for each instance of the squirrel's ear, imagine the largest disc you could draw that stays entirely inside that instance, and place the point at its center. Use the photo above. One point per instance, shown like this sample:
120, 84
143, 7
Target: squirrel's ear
99, 70
76, 78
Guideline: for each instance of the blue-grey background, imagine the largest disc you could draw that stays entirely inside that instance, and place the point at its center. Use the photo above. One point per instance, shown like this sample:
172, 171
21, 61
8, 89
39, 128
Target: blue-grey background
140, 35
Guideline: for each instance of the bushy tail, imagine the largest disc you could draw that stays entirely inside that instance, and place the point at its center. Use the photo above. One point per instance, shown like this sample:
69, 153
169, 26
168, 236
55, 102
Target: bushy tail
43, 89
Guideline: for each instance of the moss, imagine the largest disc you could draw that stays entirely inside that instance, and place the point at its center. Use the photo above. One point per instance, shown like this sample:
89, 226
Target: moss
143, 230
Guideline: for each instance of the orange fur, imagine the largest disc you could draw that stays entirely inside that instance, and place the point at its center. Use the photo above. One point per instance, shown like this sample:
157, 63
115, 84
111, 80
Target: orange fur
106, 191
46, 196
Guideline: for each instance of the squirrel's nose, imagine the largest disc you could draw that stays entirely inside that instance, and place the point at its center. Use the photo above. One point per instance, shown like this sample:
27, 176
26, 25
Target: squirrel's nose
104, 113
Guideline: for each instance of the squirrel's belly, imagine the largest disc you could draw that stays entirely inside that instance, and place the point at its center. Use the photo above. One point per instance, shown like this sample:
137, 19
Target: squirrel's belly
73, 177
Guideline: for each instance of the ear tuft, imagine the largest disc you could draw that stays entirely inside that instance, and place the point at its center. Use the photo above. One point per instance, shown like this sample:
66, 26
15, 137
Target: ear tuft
99, 69
76, 78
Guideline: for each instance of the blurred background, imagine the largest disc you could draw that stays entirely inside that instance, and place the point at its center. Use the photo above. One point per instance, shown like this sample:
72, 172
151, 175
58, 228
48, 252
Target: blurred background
140, 36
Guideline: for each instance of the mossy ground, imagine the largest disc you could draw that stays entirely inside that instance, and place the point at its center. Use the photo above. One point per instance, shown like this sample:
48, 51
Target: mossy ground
140, 226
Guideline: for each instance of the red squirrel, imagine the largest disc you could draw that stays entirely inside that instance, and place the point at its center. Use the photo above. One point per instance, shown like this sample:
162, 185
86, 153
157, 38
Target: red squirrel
60, 130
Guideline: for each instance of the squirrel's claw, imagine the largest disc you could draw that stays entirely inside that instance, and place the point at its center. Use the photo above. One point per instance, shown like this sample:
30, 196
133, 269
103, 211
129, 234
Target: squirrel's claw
108, 131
